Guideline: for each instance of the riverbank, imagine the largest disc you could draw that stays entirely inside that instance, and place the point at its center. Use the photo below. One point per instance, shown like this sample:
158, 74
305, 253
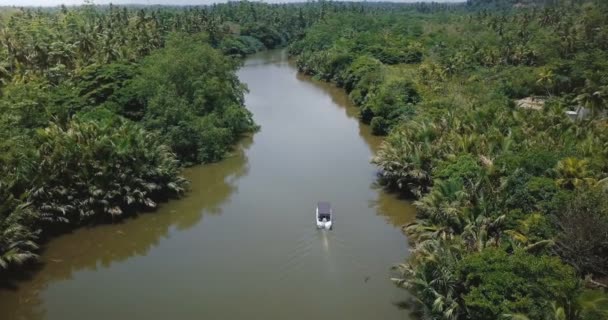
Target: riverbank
247, 227
102, 105
500, 189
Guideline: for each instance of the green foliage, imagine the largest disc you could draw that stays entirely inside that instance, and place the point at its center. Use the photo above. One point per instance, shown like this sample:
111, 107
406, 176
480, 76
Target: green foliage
176, 121
361, 75
573, 173
529, 193
100, 84
593, 305
379, 126
433, 278
100, 169
519, 82
393, 101
387, 55
326, 65
490, 176
25, 106
535, 162
105, 102
192, 98
353, 57
17, 244
583, 240
241, 45
499, 283
407, 157
267, 35
96, 103
465, 167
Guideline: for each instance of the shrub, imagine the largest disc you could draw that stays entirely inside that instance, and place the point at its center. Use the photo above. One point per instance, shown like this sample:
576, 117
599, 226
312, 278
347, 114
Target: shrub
530, 193
534, 162
186, 89
241, 45
363, 67
387, 55
100, 169
465, 167
17, 244
497, 283
393, 101
366, 114
379, 126
268, 35
583, 237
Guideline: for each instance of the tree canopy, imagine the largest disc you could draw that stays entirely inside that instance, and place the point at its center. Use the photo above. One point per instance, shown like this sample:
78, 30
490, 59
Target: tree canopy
494, 113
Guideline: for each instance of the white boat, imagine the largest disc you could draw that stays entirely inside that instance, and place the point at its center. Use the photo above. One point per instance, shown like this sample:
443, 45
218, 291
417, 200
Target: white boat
324, 216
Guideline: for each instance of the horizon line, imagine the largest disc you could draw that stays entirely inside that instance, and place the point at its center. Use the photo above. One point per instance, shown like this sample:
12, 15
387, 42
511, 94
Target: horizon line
228, 1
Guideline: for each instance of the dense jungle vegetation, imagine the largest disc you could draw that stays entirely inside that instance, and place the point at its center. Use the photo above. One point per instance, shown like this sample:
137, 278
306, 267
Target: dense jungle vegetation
101, 106
512, 200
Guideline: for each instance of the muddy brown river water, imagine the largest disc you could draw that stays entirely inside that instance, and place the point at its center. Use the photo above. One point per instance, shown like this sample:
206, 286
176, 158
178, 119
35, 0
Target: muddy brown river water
243, 244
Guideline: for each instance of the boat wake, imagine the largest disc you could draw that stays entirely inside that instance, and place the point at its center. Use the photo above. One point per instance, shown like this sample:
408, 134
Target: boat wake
323, 252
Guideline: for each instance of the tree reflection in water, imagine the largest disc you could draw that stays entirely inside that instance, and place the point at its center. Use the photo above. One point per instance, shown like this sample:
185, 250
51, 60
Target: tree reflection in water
396, 209
98, 247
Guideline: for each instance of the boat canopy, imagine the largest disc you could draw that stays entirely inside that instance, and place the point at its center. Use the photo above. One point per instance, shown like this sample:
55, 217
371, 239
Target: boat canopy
324, 208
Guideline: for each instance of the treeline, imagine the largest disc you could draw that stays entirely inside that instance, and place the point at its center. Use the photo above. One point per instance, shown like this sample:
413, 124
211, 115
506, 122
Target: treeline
511, 4
512, 197
102, 106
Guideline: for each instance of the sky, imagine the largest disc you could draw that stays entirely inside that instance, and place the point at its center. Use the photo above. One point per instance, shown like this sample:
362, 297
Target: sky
48, 3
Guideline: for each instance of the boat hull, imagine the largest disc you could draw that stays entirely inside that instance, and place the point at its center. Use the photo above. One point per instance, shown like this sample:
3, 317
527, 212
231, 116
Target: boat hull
324, 216
324, 225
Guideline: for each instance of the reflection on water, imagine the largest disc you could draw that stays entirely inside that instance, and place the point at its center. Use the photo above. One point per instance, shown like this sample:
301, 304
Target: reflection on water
341, 99
394, 207
243, 243
278, 57
99, 247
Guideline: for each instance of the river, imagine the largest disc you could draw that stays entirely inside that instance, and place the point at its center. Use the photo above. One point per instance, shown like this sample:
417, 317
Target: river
242, 244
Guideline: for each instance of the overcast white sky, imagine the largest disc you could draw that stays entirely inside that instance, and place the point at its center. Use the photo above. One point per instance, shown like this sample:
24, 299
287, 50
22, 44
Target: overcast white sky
173, 2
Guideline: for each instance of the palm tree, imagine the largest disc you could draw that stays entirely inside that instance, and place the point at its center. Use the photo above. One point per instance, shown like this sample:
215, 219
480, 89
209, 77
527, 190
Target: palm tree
546, 78
573, 173
431, 276
593, 97
122, 166
406, 157
558, 313
17, 244
85, 44
446, 205
483, 232
592, 302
